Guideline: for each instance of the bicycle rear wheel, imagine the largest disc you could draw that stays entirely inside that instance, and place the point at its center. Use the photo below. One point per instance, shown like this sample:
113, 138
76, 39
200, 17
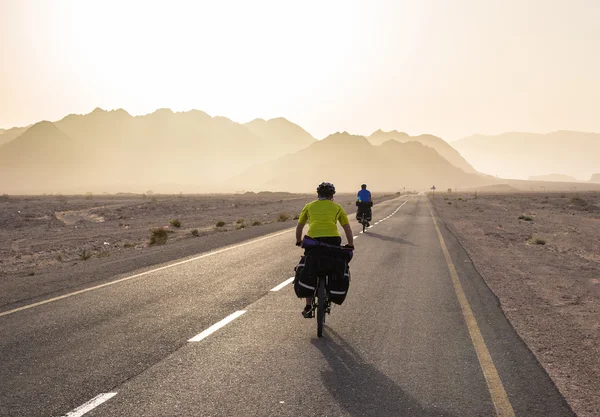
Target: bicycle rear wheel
321, 295
364, 224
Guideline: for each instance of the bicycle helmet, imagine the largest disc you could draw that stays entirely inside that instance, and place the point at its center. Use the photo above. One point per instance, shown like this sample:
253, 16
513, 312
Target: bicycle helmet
326, 189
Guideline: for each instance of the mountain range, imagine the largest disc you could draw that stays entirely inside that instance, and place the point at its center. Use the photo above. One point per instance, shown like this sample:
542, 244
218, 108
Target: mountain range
166, 151
521, 155
440, 145
349, 160
112, 150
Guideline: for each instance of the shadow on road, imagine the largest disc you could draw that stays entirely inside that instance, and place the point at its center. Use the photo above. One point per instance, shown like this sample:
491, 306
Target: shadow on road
390, 239
360, 388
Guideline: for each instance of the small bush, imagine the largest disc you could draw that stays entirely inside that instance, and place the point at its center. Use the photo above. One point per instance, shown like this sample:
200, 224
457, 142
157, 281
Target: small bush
220, 223
283, 217
460, 199
446, 198
85, 255
103, 254
175, 223
195, 232
257, 223
239, 221
159, 236
241, 226
128, 245
4, 197
31, 274
578, 201
59, 258
89, 196
525, 218
538, 241
296, 217
449, 202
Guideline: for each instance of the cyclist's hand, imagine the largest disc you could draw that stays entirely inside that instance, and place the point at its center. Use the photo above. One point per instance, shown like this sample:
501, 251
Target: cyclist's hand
299, 243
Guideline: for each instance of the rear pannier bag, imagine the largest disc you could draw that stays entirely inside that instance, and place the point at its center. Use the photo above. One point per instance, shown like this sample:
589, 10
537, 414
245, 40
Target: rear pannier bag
339, 281
305, 280
336, 268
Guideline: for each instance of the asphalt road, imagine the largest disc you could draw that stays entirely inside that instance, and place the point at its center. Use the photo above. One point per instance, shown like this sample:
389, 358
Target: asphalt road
420, 334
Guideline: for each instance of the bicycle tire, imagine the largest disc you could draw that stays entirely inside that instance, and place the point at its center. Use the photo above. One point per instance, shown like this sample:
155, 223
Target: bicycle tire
321, 307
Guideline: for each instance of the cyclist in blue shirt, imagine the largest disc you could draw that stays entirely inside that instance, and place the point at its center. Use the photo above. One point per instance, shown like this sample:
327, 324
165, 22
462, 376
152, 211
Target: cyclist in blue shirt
364, 203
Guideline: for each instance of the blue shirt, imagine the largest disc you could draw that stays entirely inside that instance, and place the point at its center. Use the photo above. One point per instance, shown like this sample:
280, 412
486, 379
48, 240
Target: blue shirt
364, 196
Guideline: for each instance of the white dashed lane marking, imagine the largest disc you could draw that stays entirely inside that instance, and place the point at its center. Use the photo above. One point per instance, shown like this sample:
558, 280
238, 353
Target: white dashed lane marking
283, 284
90, 405
216, 326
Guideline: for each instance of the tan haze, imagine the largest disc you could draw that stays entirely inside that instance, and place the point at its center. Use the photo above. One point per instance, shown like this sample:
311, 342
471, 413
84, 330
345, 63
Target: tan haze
239, 85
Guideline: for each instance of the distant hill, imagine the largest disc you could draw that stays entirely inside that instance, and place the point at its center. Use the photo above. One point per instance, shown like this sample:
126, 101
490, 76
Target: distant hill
521, 155
114, 151
350, 160
595, 178
553, 177
441, 146
282, 134
10, 134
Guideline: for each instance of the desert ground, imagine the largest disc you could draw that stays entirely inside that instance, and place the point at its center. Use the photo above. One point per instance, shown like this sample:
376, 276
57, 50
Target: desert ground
540, 254
51, 244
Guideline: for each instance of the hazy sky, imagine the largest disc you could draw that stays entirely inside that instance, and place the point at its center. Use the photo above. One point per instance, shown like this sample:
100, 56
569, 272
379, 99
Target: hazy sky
448, 67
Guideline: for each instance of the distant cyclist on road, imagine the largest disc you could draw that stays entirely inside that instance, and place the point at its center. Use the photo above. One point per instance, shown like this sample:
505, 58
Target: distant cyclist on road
364, 203
322, 216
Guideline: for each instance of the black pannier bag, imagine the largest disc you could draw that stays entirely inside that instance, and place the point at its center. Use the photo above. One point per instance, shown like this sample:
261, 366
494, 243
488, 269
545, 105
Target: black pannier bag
339, 281
305, 280
336, 267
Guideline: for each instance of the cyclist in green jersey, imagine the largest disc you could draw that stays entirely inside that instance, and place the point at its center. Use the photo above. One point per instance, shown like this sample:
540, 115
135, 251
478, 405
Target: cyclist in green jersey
323, 215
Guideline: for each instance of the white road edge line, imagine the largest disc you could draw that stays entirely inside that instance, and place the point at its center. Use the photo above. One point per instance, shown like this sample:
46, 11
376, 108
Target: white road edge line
216, 326
205, 255
91, 404
283, 284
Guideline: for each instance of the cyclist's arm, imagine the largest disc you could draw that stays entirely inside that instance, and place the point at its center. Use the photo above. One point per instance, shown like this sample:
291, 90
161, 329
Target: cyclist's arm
299, 229
349, 235
303, 218
343, 219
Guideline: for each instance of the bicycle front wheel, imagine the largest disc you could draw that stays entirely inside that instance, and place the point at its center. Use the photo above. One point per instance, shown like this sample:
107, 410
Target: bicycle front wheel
321, 295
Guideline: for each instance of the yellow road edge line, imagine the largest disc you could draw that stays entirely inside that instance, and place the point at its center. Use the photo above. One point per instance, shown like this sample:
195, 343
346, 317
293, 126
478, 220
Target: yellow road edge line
494, 383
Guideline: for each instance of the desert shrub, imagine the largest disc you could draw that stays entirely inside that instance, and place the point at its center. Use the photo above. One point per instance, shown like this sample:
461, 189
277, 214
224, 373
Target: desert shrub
459, 198
31, 274
283, 217
296, 217
449, 202
257, 223
538, 241
446, 198
59, 257
104, 254
525, 218
241, 226
195, 232
4, 197
239, 221
220, 223
159, 236
578, 201
85, 255
89, 196
128, 245
175, 223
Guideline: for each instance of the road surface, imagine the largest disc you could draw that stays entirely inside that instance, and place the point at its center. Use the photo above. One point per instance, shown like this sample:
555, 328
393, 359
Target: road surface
420, 334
